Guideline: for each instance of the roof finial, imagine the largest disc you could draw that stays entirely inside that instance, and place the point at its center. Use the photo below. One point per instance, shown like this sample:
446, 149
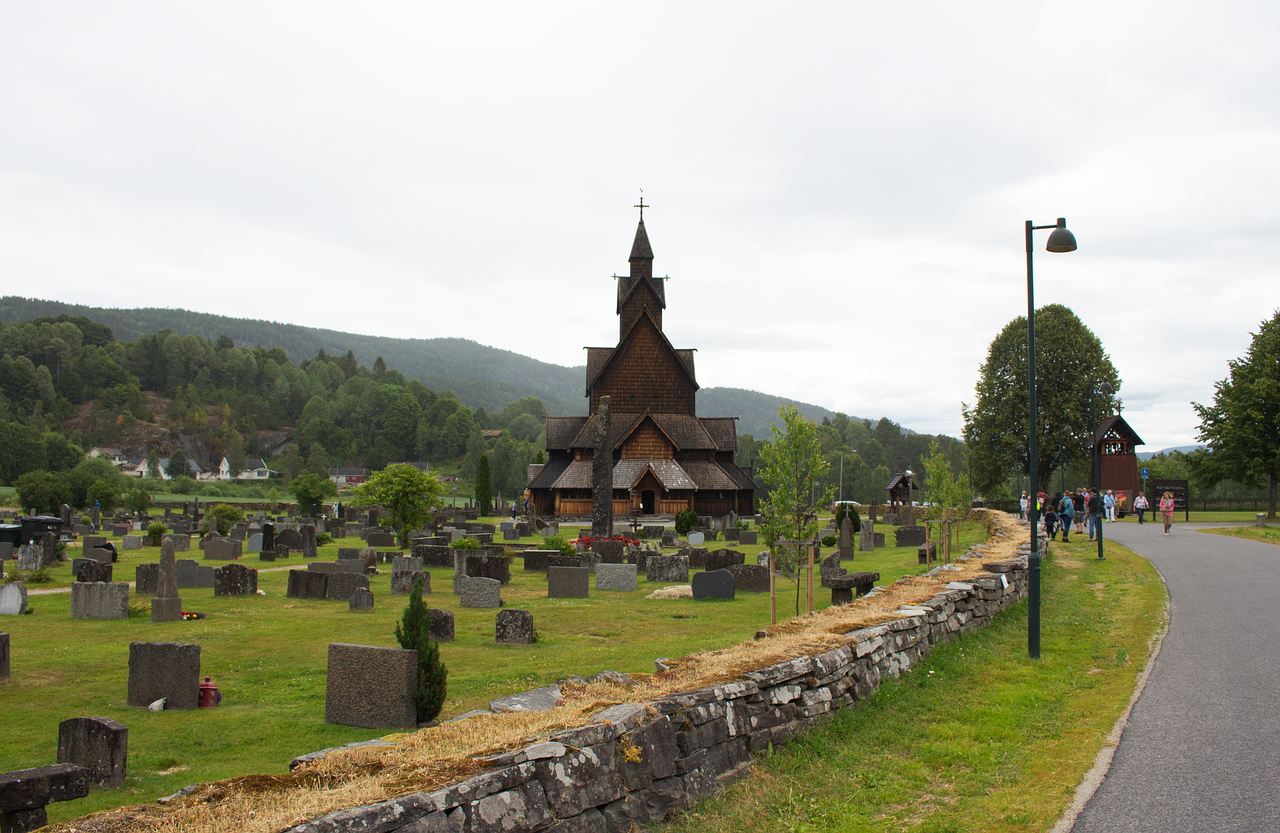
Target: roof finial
641, 206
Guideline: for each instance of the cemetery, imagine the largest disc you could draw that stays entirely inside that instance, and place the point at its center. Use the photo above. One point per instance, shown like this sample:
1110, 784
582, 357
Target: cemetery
281, 699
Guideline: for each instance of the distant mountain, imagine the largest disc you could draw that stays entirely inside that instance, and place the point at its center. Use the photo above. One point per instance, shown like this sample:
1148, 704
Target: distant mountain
479, 375
1185, 449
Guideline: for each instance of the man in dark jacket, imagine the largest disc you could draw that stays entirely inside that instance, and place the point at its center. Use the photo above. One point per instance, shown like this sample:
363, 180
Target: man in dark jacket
1095, 512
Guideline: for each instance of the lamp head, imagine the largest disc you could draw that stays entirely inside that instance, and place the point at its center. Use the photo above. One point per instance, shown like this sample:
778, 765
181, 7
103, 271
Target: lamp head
1105, 388
1061, 240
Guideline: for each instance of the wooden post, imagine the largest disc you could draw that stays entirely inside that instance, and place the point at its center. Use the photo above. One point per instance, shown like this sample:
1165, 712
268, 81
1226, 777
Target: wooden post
773, 589
813, 545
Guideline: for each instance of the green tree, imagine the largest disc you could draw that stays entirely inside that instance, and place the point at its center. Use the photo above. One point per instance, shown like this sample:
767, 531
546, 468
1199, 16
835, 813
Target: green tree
316, 460
178, 465
60, 453
105, 493
138, 501
153, 464
1242, 426
414, 634
42, 491
221, 517
484, 486
235, 453
793, 463
406, 493
311, 490
1070, 363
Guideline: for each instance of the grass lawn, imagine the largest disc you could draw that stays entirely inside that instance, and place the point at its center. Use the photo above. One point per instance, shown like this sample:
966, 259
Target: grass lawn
1266, 534
268, 655
978, 737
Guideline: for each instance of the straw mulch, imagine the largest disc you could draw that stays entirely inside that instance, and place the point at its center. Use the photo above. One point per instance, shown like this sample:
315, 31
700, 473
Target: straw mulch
436, 757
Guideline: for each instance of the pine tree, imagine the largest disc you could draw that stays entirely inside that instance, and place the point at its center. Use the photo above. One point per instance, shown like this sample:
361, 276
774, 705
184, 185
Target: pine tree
484, 486
414, 633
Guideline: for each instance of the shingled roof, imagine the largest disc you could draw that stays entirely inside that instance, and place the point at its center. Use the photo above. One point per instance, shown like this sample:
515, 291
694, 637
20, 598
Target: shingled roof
551, 472
723, 431
709, 476
685, 430
620, 426
561, 431
626, 473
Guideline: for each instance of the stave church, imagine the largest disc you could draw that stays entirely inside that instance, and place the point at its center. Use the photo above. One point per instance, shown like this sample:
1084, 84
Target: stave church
666, 458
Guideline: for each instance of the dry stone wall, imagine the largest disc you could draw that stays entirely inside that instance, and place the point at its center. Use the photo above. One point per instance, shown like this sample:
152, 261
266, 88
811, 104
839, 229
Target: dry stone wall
638, 762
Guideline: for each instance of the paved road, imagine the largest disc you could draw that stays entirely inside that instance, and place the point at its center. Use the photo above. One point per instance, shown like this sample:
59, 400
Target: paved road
1201, 751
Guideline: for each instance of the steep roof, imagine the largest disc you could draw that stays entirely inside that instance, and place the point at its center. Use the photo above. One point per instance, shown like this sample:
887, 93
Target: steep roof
722, 430
604, 356
709, 476
561, 431
1116, 424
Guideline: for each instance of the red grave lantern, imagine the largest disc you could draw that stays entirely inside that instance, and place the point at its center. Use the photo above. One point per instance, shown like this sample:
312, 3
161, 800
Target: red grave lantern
209, 694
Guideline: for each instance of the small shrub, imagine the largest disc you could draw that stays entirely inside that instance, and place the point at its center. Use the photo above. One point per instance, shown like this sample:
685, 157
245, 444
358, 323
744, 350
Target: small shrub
686, 521
852, 512
466, 544
138, 610
224, 515
559, 542
414, 633
155, 532
85, 520
829, 541
741, 524
323, 538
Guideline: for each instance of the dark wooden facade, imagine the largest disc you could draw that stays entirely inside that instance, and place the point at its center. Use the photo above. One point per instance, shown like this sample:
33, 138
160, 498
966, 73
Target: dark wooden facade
1117, 443
666, 457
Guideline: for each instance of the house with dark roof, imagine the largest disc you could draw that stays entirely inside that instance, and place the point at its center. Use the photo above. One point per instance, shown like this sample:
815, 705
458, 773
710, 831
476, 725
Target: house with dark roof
665, 457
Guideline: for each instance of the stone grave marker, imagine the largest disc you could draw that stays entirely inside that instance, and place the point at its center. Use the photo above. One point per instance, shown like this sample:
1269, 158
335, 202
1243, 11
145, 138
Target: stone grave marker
536, 560
829, 568
909, 536
371, 688
28, 558
406, 563
402, 581
6, 552
480, 592
13, 599
866, 543
235, 580
667, 569
731, 533
610, 552
222, 549
145, 577
696, 539
192, 574
267, 555
488, 566
340, 586
305, 584
697, 557
253, 543
750, 578
164, 669
589, 560
90, 569
716, 584
669, 537
513, 627
308, 535
361, 599
166, 605
327, 567
441, 624
290, 538
381, 539
568, 582
282, 552
181, 542
98, 744
720, 559
131, 542
748, 536
99, 600
619, 577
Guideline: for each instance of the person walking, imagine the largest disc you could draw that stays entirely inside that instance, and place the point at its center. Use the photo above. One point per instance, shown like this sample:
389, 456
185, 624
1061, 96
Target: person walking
1066, 511
1077, 505
1023, 503
1051, 519
1140, 504
1166, 509
1095, 513
1109, 504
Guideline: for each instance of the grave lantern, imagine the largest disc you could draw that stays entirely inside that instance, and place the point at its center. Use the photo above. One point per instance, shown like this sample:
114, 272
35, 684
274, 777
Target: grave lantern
209, 694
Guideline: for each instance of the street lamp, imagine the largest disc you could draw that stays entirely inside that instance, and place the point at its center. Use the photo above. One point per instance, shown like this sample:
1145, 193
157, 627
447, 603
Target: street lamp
1103, 387
1060, 240
910, 514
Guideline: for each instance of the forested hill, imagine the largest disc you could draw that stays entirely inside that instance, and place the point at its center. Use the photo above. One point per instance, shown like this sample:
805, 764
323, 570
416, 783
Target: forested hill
479, 375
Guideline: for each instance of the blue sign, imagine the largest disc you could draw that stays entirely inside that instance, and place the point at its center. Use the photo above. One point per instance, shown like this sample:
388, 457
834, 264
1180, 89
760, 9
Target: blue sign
1144, 474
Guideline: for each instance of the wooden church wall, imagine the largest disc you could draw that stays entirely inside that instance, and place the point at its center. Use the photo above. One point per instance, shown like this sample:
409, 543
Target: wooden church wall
645, 375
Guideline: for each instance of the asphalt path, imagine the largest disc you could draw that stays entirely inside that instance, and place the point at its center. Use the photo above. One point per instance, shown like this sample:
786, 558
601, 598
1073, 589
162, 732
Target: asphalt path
1201, 749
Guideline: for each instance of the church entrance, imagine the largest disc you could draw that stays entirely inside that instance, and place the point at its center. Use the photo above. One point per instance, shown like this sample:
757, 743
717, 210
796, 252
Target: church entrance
647, 502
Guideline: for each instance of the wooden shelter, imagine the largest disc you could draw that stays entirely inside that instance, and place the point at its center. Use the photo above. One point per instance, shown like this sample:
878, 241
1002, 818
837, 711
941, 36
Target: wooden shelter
1114, 444
665, 457
900, 488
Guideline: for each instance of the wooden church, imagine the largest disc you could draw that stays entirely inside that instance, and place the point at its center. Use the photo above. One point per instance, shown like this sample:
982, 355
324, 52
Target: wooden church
1115, 445
665, 457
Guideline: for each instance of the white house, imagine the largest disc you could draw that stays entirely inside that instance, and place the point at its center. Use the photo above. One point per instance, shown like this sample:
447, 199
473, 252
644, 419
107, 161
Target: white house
116, 457
255, 469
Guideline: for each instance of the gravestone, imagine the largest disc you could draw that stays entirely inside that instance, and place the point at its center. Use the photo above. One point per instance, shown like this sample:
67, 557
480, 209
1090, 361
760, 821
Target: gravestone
696, 539
308, 536
328, 567
4, 657
480, 592
28, 558
716, 584
909, 536
181, 542
488, 566
589, 560
536, 560
304, 584
877, 540
371, 688
513, 627
866, 541
557, 560
131, 542
434, 555
927, 552
221, 549
253, 543
145, 577
381, 539
669, 537
267, 555
6, 553
441, 624
602, 473
697, 557
164, 669
611, 552
282, 552
731, 533
406, 563
510, 535
402, 581
846, 538
619, 577
13, 599
361, 599
235, 580
98, 744
99, 600
568, 582
652, 532
290, 538
721, 559
268, 536
829, 568
750, 578
192, 574
667, 569
341, 585
166, 605
844, 589
90, 569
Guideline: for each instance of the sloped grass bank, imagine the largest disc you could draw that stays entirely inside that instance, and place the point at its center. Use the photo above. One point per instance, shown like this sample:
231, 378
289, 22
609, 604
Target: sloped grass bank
978, 737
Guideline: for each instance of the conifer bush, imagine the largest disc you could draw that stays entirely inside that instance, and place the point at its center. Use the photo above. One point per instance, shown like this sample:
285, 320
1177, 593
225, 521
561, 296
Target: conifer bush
414, 633
686, 521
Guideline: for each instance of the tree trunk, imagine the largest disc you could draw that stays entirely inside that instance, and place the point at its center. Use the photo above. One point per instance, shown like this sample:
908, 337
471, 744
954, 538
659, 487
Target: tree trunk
1271, 498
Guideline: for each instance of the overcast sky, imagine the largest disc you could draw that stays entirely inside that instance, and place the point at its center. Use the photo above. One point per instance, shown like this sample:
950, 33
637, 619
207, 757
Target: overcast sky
837, 190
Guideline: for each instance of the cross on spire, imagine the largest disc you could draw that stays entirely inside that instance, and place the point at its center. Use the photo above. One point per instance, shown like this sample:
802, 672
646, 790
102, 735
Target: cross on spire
641, 205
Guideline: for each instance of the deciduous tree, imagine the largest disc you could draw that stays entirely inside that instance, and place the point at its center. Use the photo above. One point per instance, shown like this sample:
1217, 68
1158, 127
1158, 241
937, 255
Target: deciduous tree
1070, 363
406, 493
1242, 426
311, 490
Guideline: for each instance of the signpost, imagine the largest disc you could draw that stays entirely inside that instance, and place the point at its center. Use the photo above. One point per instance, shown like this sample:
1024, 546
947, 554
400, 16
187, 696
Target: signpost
1177, 488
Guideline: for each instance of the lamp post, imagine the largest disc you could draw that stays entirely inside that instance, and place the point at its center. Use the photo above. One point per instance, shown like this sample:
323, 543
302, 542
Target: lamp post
1062, 459
910, 514
1060, 240
1103, 387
